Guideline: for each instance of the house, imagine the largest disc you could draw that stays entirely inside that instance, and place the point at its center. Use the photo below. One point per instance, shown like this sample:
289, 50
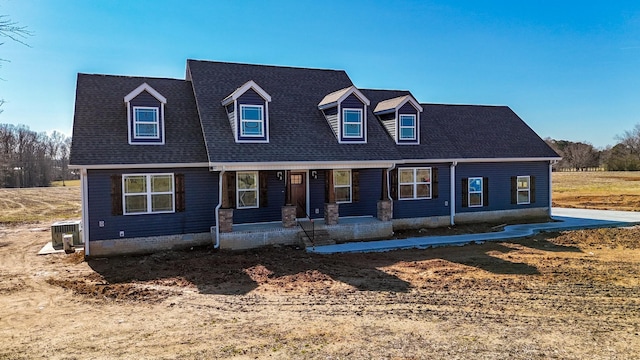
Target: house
234, 154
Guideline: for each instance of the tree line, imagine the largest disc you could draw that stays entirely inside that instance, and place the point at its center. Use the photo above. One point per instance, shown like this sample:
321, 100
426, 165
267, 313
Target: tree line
624, 156
29, 158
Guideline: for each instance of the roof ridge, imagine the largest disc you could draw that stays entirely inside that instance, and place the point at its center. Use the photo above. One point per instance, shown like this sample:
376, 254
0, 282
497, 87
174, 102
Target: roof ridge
132, 77
265, 65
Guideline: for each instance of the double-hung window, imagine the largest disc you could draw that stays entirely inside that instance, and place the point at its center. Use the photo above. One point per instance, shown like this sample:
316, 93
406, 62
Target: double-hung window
252, 120
342, 185
475, 192
414, 183
146, 123
352, 123
524, 189
148, 193
247, 190
407, 127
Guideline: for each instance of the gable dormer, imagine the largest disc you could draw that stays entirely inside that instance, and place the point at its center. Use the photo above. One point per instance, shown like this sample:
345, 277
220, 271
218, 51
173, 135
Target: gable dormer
401, 118
145, 116
248, 112
346, 113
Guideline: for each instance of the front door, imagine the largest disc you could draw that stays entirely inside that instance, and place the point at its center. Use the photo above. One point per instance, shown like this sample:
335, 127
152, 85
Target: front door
299, 192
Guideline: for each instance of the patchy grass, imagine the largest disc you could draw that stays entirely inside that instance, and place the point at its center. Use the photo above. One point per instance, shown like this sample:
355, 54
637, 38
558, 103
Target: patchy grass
31, 205
597, 190
69, 183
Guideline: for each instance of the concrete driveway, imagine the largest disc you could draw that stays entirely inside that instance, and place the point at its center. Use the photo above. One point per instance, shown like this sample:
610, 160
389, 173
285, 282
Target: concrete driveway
566, 219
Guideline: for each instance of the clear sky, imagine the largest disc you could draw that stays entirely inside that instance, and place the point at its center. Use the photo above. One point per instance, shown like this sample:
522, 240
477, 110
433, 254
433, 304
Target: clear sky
570, 69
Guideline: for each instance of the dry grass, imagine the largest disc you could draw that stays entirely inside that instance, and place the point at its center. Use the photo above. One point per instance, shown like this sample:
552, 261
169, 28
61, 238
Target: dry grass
24, 206
597, 190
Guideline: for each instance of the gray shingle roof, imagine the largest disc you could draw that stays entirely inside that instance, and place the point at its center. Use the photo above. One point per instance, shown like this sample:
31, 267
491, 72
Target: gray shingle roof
100, 134
298, 130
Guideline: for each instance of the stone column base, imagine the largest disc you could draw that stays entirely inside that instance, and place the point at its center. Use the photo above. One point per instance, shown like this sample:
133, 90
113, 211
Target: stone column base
331, 213
385, 210
225, 216
289, 216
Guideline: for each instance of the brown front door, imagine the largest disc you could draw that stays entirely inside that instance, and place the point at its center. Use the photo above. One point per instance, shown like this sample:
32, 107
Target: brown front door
297, 180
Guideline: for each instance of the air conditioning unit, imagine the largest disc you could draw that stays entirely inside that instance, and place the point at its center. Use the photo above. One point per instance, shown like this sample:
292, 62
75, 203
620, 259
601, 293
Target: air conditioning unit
60, 228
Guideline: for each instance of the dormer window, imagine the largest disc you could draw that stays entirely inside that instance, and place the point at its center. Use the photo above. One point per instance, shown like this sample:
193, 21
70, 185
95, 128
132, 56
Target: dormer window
248, 112
146, 124
251, 120
346, 113
400, 116
352, 123
407, 127
145, 116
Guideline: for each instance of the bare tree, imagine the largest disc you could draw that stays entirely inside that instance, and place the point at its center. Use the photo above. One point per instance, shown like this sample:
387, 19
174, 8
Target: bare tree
11, 30
631, 139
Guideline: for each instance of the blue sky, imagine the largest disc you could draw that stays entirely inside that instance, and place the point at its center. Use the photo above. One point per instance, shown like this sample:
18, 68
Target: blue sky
570, 69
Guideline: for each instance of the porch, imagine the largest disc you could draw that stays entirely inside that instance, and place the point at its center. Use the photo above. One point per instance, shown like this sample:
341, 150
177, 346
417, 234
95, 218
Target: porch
246, 236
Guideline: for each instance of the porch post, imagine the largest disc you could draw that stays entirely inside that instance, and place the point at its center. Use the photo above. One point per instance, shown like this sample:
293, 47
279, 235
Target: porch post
331, 213
289, 216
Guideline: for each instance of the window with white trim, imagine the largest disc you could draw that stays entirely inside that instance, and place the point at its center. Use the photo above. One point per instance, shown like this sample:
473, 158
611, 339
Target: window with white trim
407, 128
148, 193
475, 192
414, 183
252, 120
352, 123
524, 189
146, 123
247, 190
342, 185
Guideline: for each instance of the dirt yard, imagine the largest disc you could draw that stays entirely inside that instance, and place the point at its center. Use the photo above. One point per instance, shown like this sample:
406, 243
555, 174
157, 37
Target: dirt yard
605, 190
573, 295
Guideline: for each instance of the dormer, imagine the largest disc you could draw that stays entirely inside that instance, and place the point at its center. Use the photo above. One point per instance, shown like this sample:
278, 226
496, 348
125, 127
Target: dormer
145, 116
346, 113
401, 118
248, 112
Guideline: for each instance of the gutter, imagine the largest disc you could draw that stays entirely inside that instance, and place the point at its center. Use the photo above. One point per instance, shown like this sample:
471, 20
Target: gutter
389, 170
216, 245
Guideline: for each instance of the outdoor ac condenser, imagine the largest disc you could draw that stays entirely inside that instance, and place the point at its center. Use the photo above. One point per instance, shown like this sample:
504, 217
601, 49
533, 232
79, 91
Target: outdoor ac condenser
58, 229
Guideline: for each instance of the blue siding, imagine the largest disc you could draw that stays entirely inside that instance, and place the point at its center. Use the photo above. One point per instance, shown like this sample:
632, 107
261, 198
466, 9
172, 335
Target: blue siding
250, 97
273, 210
316, 194
499, 175
353, 102
201, 197
370, 192
146, 99
408, 109
403, 209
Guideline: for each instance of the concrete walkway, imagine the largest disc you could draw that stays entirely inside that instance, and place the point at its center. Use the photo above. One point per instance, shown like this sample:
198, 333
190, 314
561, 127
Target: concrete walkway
566, 219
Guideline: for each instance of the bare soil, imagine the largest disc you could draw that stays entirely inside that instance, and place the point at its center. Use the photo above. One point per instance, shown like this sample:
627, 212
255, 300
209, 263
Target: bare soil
572, 295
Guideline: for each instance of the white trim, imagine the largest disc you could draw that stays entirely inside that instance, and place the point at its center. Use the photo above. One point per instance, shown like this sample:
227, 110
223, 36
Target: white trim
350, 186
262, 121
300, 165
84, 201
257, 190
415, 183
243, 89
145, 87
407, 98
528, 189
551, 185
477, 160
343, 123
156, 122
414, 127
481, 192
149, 194
347, 91
141, 166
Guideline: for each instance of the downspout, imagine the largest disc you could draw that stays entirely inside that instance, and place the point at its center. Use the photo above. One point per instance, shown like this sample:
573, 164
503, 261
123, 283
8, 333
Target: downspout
452, 196
216, 245
84, 201
389, 170
551, 163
